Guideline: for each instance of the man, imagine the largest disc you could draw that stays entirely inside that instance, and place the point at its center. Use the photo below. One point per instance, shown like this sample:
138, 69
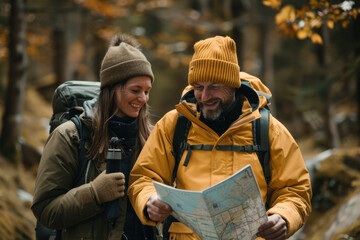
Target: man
222, 114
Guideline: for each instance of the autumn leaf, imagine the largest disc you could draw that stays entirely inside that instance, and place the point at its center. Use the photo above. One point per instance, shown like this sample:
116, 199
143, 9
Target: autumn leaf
330, 24
316, 23
302, 34
275, 4
310, 14
316, 38
344, 24
287, 13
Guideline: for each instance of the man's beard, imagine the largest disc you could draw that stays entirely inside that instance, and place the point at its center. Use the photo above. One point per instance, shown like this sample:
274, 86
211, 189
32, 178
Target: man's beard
211, 114
215, 114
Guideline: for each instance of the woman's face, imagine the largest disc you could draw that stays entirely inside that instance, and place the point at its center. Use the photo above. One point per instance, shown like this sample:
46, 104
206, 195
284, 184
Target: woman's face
132, 96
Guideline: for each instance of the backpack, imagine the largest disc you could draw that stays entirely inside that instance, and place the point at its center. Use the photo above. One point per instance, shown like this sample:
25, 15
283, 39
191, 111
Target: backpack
68, 97
261, 145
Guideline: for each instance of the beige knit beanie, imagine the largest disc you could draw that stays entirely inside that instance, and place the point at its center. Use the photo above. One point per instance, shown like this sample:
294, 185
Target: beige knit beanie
215, 60
123, 60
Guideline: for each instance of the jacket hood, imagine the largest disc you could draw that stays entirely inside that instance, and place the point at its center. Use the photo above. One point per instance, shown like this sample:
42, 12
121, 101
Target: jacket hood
263, 91
87, 107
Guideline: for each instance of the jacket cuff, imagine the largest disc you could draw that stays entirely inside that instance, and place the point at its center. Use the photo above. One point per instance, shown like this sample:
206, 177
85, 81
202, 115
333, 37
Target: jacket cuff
87, 195
292, 218
144, 217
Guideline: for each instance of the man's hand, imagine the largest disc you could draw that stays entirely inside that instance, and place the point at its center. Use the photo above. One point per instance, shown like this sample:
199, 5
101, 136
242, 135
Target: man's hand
274, 229
157, 210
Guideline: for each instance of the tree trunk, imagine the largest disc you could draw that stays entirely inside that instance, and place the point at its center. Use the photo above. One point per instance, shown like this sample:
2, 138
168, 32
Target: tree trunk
357, 76
14, 102
331, 130
358, 104
60, 48
267, 70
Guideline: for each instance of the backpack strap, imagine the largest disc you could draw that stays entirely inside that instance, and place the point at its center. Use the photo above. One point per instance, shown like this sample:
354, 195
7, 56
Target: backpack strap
261, 133
180, 140
83, 136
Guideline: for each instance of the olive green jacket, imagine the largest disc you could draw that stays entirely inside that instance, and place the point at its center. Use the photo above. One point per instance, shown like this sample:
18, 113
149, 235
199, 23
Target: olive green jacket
58, 204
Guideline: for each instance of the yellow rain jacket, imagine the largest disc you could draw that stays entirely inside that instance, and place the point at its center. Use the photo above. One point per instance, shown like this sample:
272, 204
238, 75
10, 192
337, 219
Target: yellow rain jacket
288, 193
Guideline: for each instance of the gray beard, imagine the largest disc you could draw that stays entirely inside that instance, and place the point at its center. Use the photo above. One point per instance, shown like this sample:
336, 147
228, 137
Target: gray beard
223, 106
212, 114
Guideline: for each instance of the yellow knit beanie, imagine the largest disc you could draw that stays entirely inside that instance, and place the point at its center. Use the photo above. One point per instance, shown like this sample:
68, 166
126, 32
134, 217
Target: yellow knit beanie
215, 60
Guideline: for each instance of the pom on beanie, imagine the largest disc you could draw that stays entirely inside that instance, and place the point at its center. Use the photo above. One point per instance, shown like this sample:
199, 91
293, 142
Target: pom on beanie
215, 60
123, 60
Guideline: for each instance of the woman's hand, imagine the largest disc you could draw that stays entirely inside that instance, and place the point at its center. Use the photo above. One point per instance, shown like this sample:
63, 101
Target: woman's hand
108, 187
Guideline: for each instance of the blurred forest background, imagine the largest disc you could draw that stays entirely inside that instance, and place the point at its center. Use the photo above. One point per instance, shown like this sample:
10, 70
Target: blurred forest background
306, 51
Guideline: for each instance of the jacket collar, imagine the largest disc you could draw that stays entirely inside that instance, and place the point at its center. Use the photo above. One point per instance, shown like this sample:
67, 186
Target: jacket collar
248, 95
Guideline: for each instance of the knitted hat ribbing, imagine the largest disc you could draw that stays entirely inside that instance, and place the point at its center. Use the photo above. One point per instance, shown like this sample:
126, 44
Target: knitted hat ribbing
123, 60
215, 60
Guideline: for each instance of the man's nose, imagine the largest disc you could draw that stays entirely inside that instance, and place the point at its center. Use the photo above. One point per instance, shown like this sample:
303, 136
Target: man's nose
205, 95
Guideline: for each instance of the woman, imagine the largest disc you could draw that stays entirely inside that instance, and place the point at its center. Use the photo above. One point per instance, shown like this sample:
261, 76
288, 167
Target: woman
120, 111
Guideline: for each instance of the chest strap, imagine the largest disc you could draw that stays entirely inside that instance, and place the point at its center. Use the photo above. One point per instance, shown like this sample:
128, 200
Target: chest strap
203, 147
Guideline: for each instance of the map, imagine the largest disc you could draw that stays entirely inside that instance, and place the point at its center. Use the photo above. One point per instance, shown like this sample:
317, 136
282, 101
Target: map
231, 209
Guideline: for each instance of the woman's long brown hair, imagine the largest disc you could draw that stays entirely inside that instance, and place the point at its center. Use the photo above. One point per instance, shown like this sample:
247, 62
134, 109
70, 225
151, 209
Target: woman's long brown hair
104, 110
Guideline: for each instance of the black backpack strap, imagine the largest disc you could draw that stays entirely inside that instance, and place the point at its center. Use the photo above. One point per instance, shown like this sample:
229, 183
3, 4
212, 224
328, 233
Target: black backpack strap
83, 136
180, 140
261, 133
179, 145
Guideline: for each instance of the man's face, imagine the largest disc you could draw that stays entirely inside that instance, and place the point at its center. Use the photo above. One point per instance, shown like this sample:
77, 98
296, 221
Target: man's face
213, 98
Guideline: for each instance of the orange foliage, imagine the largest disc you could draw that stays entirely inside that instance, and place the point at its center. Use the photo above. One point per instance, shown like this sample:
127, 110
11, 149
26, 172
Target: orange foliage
303, 22
106, 8
120, 8
3, 43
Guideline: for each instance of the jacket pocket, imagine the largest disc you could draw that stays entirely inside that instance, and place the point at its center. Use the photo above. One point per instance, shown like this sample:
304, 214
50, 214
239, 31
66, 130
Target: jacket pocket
178, 231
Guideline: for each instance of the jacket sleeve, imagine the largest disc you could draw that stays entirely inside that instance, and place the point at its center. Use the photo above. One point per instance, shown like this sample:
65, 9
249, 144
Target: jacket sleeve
56, 203
289, 192
155, 163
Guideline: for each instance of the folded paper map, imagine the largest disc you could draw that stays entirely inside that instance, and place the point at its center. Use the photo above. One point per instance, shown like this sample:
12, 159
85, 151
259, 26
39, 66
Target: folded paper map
231, 209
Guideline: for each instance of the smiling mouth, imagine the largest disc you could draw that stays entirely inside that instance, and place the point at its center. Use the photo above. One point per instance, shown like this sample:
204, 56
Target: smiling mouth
135, 105
210, 104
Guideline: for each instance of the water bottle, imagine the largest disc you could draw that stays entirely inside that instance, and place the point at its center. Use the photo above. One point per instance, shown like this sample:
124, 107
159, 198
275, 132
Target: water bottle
113, 164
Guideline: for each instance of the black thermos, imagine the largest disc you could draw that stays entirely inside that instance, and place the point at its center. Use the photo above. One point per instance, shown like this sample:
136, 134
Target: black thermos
113, 164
